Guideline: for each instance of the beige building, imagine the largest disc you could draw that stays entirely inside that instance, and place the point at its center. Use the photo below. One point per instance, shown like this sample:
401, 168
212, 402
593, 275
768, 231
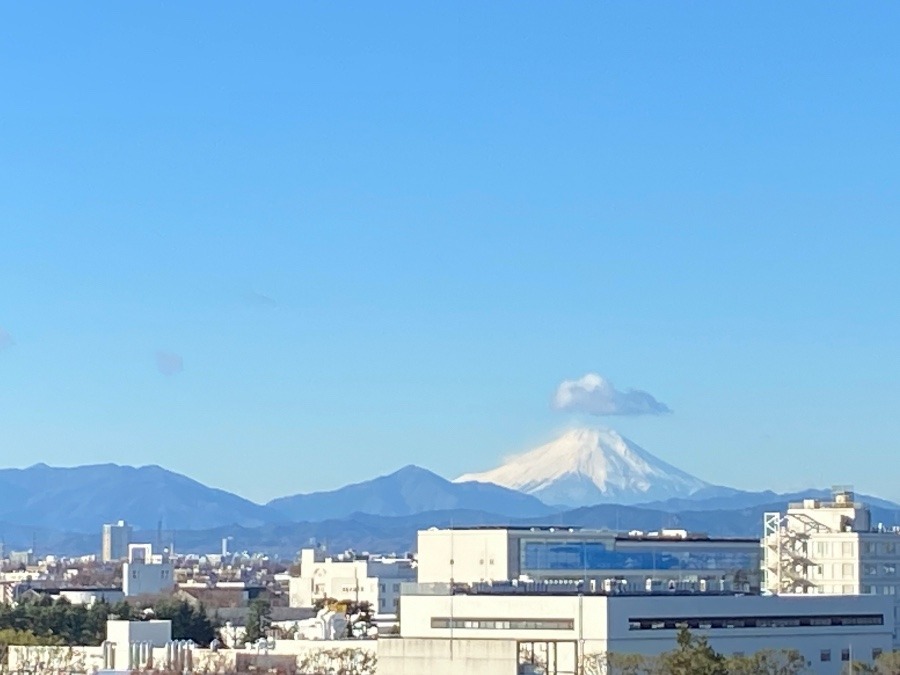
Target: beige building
831, 548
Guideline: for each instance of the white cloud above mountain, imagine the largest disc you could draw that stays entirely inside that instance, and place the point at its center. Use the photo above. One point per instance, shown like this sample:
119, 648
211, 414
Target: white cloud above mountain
594, 395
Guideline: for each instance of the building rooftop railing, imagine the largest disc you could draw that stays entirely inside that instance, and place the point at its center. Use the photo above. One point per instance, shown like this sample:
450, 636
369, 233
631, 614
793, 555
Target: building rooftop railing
605, 587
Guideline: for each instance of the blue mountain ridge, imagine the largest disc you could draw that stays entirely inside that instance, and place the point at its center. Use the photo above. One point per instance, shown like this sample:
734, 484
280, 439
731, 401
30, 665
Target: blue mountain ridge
62, 509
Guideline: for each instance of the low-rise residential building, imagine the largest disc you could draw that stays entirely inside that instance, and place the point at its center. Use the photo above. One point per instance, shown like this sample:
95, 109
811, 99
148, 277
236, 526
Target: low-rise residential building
371, 579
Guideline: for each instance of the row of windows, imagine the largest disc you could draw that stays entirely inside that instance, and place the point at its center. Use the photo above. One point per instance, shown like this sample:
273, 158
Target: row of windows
847, 549
834, 571
595, 555
825, 654
754, 622
848, 570
875, 548
829, 549
867, 589
503, 624
886, 570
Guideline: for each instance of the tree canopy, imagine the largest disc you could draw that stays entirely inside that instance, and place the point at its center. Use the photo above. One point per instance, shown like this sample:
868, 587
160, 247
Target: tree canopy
63, 623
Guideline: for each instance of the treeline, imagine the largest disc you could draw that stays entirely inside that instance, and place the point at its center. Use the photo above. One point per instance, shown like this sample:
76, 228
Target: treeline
44, 621
693, 655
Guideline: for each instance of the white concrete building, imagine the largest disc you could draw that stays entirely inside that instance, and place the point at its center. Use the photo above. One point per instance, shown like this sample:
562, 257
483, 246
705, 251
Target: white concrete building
484, 631
376, 580
89, 596
115, 540
831, 548
146, 573
471, 555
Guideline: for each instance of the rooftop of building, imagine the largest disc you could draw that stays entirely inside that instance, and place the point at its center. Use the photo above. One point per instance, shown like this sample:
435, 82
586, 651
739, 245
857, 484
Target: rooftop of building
605, 587
634, 535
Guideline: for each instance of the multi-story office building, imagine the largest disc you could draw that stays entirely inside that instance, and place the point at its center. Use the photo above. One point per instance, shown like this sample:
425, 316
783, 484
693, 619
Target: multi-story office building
116, 538
376, 580
557, 629
635, 560
831, 548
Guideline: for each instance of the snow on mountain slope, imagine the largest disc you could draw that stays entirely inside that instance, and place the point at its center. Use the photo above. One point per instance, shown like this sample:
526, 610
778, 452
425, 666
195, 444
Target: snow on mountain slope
590, 466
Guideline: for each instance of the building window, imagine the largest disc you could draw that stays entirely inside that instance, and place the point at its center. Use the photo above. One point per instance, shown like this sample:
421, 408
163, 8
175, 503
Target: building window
865, 589
890, 548
845, 655
889, 569
847, 570
503, 624
870, 570
782, 621
825, 655
847, 549
870, 547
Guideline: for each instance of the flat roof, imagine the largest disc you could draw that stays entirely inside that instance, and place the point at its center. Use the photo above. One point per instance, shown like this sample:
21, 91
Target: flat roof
614, 534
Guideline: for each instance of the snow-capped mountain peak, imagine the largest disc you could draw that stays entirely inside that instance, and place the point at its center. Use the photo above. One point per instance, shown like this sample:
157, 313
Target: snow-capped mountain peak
589, 466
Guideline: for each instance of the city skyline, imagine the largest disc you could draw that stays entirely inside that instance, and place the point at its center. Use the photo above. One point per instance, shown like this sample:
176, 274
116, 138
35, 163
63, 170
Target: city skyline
242, 244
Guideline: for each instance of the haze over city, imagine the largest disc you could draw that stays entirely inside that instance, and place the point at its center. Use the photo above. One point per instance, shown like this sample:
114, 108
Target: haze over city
279, 251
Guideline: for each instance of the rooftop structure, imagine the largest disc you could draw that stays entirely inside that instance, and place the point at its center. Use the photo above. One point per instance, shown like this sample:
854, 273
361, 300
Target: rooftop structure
500, 554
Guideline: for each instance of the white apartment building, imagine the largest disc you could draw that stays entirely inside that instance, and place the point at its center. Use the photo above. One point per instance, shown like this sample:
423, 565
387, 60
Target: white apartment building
146, 573
376, 580
831, 548
482, 554
115, 541
489, 630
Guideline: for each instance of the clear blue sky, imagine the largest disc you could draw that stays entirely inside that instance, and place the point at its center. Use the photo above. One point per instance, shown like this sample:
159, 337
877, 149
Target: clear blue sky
383, 233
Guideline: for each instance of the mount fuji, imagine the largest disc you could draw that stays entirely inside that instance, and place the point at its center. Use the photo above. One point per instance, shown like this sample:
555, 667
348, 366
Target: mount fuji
584, 467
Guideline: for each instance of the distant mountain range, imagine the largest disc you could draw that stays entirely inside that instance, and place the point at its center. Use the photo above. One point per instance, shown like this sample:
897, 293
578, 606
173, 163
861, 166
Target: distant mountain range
82, 498
410, 490
611, 482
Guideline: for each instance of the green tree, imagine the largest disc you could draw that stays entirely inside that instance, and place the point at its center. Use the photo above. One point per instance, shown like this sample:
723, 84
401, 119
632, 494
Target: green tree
692, 656
188, 623
258, 619
767, 662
